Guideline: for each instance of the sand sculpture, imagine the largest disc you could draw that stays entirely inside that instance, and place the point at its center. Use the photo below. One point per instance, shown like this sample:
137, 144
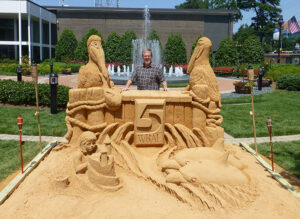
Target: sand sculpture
171, 139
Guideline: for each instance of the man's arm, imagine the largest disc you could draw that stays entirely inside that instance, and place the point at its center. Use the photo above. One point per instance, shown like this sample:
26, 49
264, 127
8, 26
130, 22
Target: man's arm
165, 86
129, 82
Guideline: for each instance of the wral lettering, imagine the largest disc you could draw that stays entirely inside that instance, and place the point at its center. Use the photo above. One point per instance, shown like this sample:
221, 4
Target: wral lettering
150, 138
149, 122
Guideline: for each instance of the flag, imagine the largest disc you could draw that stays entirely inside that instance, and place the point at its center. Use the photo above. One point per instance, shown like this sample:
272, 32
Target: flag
293, 25
276, 34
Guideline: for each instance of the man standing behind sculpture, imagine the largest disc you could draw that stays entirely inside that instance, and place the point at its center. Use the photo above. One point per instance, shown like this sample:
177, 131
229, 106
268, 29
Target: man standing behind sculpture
94, 74
201, 72
147, 76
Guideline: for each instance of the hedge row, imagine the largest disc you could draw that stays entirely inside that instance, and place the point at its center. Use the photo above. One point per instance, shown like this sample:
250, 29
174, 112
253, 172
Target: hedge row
23, 93
289, 82
43, 68
278, 70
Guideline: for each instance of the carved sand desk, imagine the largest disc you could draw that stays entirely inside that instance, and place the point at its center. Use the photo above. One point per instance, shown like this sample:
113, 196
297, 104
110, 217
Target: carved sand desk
172, 139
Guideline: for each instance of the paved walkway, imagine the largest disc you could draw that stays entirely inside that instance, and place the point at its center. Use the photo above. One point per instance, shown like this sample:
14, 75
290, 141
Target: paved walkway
231, 139
31, 138
225, 84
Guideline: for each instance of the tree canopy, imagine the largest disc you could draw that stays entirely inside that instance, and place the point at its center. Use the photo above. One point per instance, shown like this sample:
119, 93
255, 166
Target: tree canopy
267, 13
212, 4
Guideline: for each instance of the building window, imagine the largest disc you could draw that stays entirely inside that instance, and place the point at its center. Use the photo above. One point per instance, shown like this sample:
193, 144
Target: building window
35, 31
45, 33
53, 34
6, 29
8, 52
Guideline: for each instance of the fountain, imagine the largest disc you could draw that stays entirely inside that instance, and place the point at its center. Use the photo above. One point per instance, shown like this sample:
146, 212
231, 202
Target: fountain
138, 45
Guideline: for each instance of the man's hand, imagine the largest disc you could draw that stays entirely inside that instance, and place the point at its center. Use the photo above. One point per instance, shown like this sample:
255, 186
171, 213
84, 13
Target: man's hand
125, 89
165, 86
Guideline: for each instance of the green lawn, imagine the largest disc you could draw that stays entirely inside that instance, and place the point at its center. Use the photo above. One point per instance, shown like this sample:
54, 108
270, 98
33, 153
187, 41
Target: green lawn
9, 73
10, 155
51, 124
283, 107
286, 155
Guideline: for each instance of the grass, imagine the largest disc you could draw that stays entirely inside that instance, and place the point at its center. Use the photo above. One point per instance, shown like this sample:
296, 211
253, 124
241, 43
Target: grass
286, 155
10, 155
51, 124
8, 73
177, 85
283, 107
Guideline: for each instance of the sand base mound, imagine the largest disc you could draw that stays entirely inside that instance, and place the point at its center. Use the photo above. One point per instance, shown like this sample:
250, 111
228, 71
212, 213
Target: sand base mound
41, 196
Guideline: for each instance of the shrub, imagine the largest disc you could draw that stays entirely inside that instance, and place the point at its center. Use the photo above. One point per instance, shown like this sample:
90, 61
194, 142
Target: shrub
226, 54
252, 51
81, 52
126, 46
289, 82
112, 48
65, 46
278, 70
9, 61
23, 93
154, 36
175, 50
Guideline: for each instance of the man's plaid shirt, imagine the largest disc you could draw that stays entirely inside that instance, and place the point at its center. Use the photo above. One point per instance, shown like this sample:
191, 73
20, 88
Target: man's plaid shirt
147, 78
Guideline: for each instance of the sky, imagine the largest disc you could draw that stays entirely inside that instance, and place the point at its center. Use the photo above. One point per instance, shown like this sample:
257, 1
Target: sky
289, 7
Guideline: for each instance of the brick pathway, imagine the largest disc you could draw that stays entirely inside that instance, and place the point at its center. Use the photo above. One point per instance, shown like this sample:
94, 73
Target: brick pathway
225, 84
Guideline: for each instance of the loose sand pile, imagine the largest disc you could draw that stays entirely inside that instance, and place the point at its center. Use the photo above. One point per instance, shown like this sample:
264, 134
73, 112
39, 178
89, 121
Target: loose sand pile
39, 197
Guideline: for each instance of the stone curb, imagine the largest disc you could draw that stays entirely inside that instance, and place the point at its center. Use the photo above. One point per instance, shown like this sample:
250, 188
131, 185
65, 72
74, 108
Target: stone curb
275, 175
10, 188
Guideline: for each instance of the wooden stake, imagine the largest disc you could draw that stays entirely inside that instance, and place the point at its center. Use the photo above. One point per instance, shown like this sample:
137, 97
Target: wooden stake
253, 119
34, 73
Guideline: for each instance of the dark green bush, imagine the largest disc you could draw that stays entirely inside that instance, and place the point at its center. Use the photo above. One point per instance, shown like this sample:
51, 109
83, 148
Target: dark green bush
175, 50
81, 52
278, 70
252, 51
9, 61
289, 82
226, 54
112, 48
126, 46
66, 46
23, 93
154, 36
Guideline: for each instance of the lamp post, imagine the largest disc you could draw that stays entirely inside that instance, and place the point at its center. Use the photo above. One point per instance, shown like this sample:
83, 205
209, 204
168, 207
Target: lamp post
260, 76
53, 81
269, 124
280, 22
20, 123
19, 72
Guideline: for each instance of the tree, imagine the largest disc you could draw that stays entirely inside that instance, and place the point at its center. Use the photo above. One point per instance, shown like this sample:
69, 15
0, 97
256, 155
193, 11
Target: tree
81, 52
194, 4
126, 46
252, 51
65, 46
154, 36
212, 4
266, 11
297, 40
112, 47
226, 54
175, 50
287, 44
243, 33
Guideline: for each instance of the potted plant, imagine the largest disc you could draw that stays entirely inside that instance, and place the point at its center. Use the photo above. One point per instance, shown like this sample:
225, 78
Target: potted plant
243, 87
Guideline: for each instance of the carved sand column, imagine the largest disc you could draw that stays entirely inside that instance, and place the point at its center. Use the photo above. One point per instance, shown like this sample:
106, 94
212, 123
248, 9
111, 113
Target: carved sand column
95, 116
199, 116
76, 95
